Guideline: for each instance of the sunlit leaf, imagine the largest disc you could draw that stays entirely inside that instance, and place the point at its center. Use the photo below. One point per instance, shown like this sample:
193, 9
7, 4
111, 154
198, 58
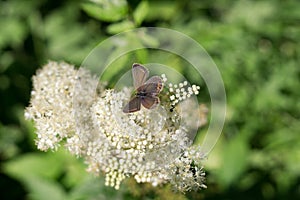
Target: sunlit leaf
141, 12
106, 10
120, 27
166, 10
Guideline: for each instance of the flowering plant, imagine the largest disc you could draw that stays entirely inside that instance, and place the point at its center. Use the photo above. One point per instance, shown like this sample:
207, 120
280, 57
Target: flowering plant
151, 145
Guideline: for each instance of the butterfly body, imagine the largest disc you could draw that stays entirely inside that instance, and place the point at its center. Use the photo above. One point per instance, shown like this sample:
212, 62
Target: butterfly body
141, 94
146, 91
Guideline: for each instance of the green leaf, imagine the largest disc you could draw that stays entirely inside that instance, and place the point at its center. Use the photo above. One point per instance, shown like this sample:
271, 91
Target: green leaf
47, 165
75, 171
113, 72
11, 25
66, 40
106, 10
141, 55
41, 188
120, 27
254, 17
93, 188
166, 10
6, 59
149, 41
9, 136
141, 12
234, 164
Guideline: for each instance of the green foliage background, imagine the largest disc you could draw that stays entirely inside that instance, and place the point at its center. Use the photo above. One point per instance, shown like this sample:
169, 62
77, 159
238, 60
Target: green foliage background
255, 44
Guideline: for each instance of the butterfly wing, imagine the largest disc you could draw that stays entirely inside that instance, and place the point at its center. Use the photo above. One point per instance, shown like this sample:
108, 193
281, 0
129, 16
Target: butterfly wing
150, 89
150, 102
133, 105
153, 86
139, 75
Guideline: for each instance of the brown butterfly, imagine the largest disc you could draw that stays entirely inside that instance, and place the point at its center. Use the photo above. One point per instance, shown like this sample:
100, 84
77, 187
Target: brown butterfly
146, 92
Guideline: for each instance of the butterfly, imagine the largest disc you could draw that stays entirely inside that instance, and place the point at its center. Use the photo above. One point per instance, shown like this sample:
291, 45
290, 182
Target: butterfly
146, 92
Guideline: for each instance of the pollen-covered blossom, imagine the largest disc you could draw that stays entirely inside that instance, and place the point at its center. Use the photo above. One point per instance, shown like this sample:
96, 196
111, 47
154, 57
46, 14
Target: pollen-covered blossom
151, 145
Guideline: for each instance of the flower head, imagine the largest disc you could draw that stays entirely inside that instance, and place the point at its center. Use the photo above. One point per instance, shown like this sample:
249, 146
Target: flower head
51, 102
151, 145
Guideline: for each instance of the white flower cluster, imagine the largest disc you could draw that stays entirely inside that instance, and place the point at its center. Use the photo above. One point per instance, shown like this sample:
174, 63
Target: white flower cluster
148, 145
182, 92
186, 172
135, 142
51, 103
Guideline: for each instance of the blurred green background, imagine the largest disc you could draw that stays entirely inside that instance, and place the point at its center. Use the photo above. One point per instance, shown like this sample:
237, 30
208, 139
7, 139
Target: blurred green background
255, 44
